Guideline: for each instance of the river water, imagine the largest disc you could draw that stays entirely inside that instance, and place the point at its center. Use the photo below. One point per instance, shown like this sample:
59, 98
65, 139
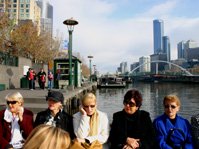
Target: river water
111, 100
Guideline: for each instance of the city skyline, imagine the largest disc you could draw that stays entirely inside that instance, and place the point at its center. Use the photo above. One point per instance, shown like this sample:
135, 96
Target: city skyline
115, 31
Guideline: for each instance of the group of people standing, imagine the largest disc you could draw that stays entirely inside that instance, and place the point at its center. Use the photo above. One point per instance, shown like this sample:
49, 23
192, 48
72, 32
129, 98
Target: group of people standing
131, 128
32, 77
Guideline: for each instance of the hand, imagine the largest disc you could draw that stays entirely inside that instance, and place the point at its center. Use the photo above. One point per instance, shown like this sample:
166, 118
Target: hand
20, 113
127, 147
80, 140
133, 143
81, 109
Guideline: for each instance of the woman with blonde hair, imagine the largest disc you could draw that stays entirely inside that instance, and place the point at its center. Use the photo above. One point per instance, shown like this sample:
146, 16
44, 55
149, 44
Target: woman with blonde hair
16, 122
91, 126
48, 137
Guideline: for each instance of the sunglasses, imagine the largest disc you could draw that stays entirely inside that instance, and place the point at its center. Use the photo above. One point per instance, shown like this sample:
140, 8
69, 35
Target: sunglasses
169, 106
87, 106
11, 102
131, 104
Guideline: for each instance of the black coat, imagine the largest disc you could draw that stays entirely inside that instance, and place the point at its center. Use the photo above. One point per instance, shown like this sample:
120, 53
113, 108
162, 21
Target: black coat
137, 125
63, 120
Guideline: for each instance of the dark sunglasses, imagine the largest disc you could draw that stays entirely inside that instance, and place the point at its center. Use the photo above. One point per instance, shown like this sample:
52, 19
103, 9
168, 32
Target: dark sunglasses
131, 104
169, 106
87, 106
11, 102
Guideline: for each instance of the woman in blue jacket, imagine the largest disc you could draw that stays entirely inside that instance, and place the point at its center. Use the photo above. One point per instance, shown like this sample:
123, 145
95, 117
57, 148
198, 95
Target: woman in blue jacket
172, 131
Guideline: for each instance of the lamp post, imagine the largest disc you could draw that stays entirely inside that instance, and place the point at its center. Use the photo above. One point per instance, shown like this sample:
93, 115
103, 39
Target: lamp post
94, 68
70, 25
90, 57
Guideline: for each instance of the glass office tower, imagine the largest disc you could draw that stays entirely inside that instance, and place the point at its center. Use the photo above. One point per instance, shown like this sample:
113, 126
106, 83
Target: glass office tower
158, 33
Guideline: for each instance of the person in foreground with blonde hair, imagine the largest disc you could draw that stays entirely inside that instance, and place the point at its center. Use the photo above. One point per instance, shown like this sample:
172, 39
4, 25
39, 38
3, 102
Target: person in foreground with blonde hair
172, 131
91, 126
47, 137
16, 122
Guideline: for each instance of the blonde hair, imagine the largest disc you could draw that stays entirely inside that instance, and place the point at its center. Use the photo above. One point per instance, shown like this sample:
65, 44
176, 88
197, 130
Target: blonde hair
16, 96
172, 98
48, 137
94, 119
88, 97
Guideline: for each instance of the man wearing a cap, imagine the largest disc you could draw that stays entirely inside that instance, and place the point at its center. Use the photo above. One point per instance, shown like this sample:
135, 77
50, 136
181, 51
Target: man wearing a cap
55, 115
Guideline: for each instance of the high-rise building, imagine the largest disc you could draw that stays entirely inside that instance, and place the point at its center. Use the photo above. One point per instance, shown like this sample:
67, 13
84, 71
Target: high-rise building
166, 47
46, 16
158, 33
39, 12
145, 62
21, 10
188, 45
181, 49
123, 67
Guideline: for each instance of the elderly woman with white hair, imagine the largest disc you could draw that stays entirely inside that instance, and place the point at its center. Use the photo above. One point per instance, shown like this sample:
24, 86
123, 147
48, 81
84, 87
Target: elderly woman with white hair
16, 122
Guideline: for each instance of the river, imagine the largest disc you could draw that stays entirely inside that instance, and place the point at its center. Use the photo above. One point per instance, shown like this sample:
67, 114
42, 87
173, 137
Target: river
111, 100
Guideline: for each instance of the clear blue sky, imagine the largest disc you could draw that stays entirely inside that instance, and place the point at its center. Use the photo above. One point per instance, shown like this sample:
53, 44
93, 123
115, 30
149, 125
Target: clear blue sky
122, 30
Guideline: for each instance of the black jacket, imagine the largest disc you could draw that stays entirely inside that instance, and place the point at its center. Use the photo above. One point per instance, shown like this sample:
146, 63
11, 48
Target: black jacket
137, 125
62, 120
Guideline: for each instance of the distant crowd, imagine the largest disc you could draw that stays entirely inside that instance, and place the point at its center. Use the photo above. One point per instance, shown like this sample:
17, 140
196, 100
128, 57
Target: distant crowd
89, 128
41, 77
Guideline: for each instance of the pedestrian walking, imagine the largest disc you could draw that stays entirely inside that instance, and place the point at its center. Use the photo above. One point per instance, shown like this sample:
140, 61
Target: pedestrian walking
50, 80
41, 78
30, 77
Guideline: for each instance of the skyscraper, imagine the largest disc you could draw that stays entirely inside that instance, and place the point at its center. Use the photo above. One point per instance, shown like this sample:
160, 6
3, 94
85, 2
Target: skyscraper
166, 47
181, 49
158, 33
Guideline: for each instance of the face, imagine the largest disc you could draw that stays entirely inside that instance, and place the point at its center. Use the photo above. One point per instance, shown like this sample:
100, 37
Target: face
171, 109
130, 107
54, 105
14, 105
90, 107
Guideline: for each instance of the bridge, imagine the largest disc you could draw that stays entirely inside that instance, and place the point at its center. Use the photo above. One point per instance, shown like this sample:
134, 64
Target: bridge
160, 61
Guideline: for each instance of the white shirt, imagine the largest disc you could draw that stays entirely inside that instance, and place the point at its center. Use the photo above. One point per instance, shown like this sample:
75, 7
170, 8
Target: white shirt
82, 127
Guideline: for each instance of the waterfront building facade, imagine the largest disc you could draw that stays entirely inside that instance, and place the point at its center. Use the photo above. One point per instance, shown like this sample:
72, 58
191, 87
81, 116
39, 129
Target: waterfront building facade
144, 61
158, 33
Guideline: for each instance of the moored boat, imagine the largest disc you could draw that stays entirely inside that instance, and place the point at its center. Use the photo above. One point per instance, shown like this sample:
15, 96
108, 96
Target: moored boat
111, 82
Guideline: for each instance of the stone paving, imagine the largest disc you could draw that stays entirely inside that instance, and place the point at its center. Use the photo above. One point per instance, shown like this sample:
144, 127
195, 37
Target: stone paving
35, 100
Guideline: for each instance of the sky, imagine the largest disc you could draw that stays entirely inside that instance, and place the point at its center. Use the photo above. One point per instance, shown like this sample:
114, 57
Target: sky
115, 31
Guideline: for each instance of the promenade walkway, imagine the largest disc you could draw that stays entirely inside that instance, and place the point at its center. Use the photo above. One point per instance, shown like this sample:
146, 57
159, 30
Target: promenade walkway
35, 100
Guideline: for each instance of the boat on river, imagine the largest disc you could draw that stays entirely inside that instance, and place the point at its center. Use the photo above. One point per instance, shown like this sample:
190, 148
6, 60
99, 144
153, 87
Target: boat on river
111, 81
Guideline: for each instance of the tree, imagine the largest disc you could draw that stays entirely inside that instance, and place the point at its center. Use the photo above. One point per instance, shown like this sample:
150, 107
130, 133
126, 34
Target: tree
6, 26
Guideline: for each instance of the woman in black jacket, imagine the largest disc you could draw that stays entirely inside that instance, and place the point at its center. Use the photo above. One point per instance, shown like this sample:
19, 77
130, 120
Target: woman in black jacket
55, 115
132, 128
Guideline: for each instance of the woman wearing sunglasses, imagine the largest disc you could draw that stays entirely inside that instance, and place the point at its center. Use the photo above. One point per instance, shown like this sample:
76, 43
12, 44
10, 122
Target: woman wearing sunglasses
16, 122
172, 131
91, 126
132, 128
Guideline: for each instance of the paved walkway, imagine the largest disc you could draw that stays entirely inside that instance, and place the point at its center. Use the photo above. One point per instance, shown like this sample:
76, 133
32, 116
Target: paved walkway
35, 100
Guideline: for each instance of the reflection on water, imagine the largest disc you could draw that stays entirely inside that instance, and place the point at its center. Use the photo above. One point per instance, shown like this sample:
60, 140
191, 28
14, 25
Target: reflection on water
110, 100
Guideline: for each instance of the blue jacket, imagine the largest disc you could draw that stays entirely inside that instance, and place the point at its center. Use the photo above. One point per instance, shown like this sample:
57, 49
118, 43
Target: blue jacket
178, 133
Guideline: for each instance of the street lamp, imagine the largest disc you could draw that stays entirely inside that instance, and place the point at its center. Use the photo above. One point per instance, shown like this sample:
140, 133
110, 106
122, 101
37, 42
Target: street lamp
90, 57
94, 68
70, 25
